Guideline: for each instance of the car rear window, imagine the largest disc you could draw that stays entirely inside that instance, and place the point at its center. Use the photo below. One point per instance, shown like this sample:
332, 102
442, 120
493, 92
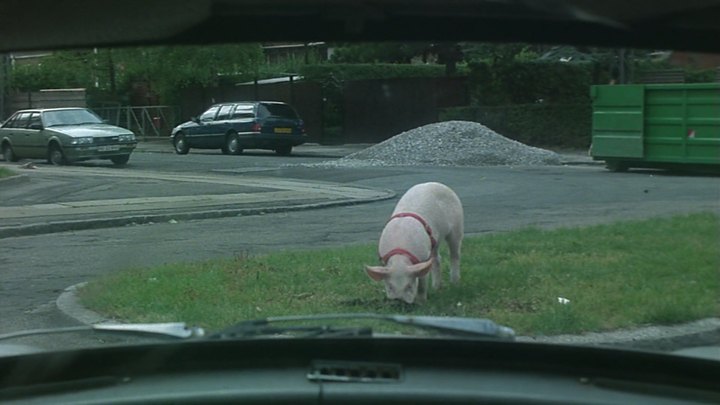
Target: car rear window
20, 121
243, 111
277, 110
10, 123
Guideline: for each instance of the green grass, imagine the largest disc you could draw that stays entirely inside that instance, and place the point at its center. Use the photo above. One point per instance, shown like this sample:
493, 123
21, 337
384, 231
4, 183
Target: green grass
6, 172
659, 271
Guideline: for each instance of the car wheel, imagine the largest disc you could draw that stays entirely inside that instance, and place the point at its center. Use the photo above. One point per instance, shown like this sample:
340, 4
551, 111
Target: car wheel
56, 155
181, 144
120, 160
232, 144
9, 154
284, 150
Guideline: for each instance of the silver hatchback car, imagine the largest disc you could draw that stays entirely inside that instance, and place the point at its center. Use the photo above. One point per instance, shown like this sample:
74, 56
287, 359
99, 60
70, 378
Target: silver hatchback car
64, 135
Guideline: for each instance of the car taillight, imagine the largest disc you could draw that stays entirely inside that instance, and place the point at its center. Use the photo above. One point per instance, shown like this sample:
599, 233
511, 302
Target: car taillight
301, 124
256, 127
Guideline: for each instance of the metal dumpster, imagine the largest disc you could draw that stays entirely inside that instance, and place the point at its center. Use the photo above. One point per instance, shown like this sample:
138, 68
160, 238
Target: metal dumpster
656, 125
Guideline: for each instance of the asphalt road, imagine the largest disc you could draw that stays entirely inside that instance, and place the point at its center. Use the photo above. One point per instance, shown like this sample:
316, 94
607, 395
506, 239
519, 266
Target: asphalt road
496, 199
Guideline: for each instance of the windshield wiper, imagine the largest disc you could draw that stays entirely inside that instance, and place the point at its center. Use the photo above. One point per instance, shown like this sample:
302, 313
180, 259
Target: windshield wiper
469, 327
175, 330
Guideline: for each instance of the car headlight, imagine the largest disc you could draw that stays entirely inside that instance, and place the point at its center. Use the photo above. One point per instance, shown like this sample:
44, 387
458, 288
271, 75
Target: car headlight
82, 141
127, 138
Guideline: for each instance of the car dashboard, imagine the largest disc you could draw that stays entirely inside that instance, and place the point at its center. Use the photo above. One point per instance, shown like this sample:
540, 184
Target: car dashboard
402, 370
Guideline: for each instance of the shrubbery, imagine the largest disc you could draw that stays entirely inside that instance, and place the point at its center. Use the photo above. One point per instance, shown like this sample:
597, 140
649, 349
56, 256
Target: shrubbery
531, 82
558, 125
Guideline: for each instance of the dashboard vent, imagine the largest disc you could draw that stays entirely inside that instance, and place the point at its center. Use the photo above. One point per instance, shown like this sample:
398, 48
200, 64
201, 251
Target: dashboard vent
348, 371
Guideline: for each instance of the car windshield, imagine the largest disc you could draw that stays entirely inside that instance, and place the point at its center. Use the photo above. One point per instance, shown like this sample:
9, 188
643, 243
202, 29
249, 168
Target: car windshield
69, 117
557, 189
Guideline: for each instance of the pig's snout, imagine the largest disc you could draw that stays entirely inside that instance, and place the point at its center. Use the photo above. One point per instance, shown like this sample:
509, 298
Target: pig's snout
406, 293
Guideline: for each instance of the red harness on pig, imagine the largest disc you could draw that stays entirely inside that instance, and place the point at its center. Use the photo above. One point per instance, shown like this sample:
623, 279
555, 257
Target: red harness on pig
401, 251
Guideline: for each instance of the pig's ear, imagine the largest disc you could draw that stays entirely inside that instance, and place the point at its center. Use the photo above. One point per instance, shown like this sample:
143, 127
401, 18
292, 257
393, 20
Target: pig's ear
377, 273
420, 269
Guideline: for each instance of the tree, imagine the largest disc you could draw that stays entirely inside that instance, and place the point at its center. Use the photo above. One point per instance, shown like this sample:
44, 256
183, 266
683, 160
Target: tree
498, 54
169, 69
166, 69
64, 69
385, 52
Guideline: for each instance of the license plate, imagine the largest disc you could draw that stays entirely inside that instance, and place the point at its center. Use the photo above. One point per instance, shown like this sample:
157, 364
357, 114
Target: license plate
283, 130
108, 148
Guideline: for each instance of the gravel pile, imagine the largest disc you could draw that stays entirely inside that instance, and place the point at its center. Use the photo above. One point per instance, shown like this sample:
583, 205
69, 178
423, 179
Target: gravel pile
451, 143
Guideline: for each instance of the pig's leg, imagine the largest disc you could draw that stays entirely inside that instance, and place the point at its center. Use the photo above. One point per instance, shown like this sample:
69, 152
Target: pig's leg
454, 241
435, 270
422, 289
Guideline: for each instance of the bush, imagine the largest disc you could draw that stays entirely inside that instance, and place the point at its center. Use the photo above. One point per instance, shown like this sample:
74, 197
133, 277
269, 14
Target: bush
530, 82
700, 75
558, 125
365, 71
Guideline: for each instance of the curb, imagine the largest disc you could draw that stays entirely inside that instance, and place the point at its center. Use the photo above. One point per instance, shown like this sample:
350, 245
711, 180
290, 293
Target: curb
99, 223
69, 304
703, 332
18, 178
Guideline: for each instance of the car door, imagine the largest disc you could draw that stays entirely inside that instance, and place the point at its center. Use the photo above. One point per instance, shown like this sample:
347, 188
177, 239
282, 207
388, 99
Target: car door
205, 134
7, 131
242, 117
19, 138
222, 122
34, 135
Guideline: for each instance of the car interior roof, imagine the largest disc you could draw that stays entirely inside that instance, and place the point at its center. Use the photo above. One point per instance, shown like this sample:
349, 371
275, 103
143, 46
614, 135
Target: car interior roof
49, 24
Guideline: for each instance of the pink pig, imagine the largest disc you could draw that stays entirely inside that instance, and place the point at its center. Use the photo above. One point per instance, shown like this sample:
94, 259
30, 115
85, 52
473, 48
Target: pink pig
427, 214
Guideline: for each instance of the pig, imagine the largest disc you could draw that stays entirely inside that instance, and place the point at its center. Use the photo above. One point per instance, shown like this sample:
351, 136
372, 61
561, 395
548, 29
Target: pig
425, 215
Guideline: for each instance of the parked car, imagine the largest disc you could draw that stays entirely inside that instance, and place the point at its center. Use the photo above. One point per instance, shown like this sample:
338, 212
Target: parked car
64, 135
235, 126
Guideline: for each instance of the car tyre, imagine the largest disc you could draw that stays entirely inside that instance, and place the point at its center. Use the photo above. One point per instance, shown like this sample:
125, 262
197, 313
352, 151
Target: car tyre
56, 156
9, 154
232, 144
181, 145
120, 160
284, 150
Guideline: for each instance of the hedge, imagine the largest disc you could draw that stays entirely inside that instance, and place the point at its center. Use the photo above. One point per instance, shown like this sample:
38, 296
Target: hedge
340, 72
557, 125
531, 82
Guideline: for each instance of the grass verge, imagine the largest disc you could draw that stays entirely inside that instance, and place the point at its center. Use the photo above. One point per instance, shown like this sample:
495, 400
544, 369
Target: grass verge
659, 271
4, 172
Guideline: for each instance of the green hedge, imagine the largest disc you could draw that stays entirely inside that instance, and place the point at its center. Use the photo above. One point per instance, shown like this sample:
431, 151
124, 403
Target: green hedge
530, 82
364, 71
700, 75
557, 125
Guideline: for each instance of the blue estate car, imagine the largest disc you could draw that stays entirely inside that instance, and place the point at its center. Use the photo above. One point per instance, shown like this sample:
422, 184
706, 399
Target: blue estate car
236, 126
